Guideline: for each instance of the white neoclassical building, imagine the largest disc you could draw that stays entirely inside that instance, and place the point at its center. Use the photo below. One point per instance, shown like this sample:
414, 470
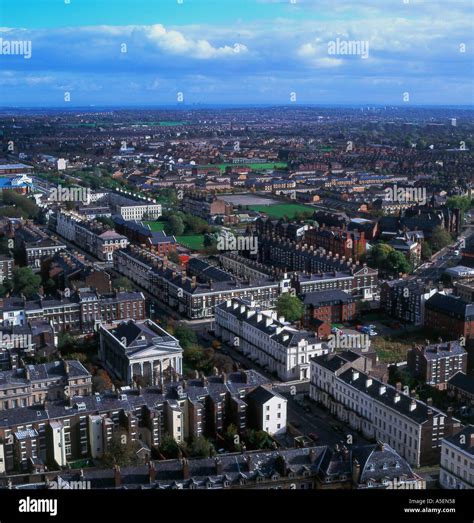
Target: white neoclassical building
270, 341
457, 460
140, 348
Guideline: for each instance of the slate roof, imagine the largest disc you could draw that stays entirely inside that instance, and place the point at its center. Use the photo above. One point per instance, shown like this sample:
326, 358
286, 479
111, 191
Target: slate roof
142, 334
449, 304
379, 462
444, 350
330, 297
420, 414
462, 382
468, 445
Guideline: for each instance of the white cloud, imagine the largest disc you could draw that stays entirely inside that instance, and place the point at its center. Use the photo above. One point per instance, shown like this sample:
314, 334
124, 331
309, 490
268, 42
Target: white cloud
175, 42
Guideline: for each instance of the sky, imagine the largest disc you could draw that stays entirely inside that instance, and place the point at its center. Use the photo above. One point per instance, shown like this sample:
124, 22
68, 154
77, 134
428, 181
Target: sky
70, 53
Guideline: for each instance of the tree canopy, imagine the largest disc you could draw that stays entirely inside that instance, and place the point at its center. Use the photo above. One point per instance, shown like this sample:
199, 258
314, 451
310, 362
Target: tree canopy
291, 307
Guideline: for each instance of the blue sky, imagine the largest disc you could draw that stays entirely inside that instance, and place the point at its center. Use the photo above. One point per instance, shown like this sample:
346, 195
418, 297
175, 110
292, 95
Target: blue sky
152, 52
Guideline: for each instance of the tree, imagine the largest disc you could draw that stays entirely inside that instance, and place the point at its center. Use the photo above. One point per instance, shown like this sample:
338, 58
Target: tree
26, 205
49, 286
174, 226
26, 282
185, 335
459, 202
258, 440
107, 222
65, 342
426, 251
122, 283
231, 436
168, 447
440, 238
101, 382
201, 448
291, 307
121, 451
5, 288
396, 263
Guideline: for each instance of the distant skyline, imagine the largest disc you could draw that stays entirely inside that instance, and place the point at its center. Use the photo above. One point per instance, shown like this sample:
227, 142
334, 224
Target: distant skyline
237, 52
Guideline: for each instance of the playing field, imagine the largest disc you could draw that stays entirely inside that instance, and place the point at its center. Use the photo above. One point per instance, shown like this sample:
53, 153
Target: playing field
282, 209
194, 242
156, 226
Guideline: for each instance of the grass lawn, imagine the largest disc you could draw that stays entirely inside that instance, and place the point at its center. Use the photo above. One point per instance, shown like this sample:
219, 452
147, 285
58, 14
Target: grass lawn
156, 226
283, 209
81, 463
194, 242
394, 348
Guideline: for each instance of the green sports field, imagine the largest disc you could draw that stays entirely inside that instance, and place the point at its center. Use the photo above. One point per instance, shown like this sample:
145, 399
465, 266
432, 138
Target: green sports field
284, 209
156, 226
194, 242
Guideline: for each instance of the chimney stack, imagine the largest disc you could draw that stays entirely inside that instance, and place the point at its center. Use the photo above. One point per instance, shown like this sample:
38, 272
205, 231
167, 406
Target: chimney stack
185, 464
117, 476
151, 471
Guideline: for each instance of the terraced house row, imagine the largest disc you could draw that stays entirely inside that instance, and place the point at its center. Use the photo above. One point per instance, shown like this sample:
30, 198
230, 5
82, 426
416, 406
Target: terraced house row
268, 340
413, 428
60, 431
80, 312
194, 297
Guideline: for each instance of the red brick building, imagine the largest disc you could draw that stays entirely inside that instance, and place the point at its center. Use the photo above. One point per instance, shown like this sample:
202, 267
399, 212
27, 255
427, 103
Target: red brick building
333, 306
351, 244
451, 315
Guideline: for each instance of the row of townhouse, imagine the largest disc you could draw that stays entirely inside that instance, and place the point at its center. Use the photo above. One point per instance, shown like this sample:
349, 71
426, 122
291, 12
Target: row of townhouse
378, 410
33, 245
34, 384
457, 460
268, 340
374, 466
302, 281
80, 312
295, 256
82, 427
190, 297
133, 207
93, 237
